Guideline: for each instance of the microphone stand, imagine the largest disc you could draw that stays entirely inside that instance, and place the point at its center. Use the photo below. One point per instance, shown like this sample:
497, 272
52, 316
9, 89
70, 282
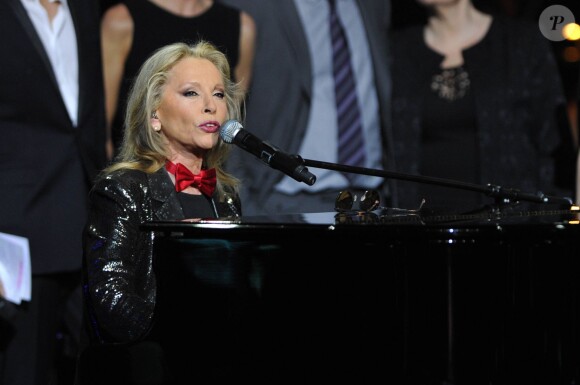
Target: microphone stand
500, 194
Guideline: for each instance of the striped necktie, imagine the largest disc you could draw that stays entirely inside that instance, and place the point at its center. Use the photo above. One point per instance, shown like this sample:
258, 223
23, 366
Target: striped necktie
351, 150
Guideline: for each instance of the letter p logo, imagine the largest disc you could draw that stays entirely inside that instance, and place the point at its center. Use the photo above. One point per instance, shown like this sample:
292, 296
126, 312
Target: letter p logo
557, 21
552, 21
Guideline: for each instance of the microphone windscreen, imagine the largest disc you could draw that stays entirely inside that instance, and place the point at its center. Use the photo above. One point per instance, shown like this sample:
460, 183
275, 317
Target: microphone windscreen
229, 130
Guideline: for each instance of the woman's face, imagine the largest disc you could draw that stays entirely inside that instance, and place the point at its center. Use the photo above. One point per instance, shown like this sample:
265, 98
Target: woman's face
193, 106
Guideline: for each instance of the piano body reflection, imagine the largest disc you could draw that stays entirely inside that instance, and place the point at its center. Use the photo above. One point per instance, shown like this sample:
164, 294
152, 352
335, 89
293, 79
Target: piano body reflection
384, 297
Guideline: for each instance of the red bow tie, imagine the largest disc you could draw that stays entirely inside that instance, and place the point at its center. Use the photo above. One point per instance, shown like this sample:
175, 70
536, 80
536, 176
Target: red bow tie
204, 181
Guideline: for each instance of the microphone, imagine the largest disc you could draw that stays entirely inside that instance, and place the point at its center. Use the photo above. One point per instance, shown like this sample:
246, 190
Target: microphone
232, 131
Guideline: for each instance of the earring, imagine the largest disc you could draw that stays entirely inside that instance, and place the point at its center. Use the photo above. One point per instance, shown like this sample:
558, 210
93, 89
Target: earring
157, 128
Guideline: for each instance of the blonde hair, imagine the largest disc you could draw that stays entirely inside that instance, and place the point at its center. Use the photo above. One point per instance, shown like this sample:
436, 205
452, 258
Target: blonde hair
144, 149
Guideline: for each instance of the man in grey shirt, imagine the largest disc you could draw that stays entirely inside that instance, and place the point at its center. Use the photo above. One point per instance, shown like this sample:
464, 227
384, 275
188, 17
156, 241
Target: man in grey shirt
291, 100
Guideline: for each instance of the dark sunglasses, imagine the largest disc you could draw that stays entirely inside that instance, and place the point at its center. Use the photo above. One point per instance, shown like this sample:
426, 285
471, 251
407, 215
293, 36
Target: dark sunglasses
370, 200
346, 200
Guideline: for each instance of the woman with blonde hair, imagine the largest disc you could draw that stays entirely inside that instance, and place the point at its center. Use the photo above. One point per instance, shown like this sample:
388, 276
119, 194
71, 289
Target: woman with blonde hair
170, 167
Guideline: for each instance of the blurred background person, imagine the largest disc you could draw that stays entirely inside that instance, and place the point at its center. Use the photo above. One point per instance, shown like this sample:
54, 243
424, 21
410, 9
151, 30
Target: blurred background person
292, 102
578, 154
132, 29
52, 124
181, 97
477, 97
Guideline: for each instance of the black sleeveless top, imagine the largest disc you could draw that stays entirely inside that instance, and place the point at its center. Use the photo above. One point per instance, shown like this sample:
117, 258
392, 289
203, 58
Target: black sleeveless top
155, 27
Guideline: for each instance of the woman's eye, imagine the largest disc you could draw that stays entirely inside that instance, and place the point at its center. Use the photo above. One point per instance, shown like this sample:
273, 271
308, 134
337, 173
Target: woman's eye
190, 93
220, 95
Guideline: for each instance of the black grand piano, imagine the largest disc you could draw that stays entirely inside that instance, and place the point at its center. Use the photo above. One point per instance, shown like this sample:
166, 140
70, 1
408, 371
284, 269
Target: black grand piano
382, 297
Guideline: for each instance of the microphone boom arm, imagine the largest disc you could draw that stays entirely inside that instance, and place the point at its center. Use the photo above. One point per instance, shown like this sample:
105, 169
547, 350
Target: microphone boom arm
494, 191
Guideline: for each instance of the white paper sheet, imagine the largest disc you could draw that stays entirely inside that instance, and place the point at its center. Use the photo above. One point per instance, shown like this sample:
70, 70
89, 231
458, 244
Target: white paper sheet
15, 274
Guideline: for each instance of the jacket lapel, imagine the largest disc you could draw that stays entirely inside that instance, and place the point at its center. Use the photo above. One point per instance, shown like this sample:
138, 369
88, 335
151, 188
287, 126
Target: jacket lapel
166, 206
82, 57
22, 16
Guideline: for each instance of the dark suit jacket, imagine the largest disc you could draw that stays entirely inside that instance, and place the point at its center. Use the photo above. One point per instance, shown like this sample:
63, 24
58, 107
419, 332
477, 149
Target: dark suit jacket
280, 94
47, 164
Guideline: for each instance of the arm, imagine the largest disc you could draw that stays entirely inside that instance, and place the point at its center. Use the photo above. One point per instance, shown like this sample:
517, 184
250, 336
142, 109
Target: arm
243, 71
554, 132
116, 41
119, 281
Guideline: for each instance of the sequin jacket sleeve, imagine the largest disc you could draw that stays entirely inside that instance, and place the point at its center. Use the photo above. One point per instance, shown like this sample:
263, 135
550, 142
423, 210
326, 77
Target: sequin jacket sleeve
118, 278
119, 282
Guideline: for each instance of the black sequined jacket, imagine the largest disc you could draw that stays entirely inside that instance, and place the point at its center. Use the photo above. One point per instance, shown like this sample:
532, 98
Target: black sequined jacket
119, 284
520, 106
